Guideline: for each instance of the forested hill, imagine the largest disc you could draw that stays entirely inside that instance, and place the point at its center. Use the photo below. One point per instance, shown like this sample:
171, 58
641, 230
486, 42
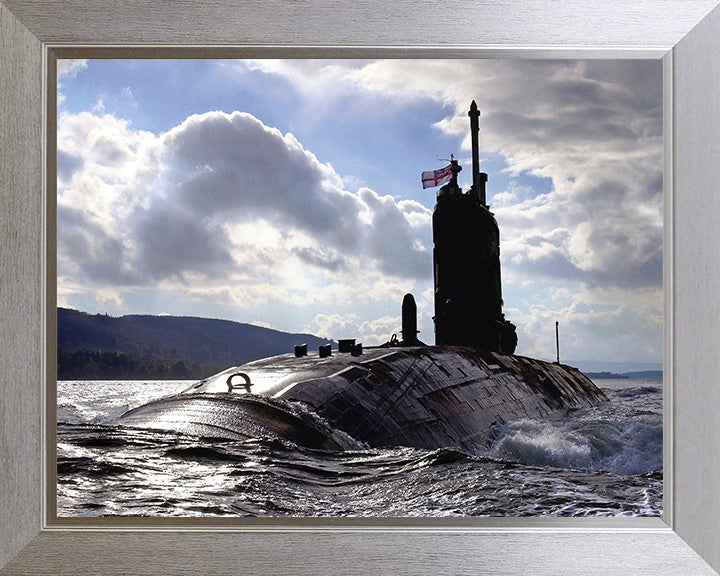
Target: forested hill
97, 346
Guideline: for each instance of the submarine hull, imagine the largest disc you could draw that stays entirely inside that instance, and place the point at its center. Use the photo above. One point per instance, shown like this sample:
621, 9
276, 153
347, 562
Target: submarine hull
449, 395
233, 417
425, 396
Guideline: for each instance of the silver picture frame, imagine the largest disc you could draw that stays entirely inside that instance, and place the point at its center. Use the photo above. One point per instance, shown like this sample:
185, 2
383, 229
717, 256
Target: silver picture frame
683, 33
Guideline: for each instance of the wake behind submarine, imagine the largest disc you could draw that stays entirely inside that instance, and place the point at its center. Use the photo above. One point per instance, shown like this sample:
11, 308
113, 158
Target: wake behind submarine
403, 393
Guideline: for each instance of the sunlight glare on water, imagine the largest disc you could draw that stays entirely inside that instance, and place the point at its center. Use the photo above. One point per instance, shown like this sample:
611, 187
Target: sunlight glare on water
602, 461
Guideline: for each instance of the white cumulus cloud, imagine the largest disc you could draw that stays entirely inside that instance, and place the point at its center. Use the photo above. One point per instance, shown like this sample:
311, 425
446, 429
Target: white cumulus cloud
224, 207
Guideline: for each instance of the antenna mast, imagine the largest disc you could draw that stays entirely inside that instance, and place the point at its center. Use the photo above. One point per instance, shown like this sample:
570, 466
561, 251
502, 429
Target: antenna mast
478, 185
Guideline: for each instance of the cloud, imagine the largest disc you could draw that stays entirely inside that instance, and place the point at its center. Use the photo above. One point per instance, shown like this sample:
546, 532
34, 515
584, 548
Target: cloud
96, 253
127, 95
600, 142
67, 68
368, 332
226, 208
171, 242
593, 128
310, 77
596, 121
67, 165
593, 132
70, 67
593, 324
236, 166
390, 234
327, 260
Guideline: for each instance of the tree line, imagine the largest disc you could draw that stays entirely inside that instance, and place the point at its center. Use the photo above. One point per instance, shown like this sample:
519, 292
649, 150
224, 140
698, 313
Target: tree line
133, 347
110, 365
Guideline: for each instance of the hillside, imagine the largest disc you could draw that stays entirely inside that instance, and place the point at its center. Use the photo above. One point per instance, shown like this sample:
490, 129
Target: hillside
96, 346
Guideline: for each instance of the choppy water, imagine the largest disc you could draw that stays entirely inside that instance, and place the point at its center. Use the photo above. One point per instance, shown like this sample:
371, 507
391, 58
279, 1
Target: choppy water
602, 461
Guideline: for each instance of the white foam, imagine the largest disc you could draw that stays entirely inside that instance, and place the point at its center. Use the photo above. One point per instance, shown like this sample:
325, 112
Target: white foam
626, 447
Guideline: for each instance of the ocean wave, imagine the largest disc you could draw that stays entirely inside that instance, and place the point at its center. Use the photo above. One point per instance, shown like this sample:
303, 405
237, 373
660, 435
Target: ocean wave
625, 448
605, 461
634, 392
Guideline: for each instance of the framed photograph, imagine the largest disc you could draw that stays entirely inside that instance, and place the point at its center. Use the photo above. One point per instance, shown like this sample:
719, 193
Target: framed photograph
285, 195
32, 538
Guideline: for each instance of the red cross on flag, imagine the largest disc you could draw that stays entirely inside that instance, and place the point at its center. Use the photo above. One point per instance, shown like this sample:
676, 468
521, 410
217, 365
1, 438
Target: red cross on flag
437, 177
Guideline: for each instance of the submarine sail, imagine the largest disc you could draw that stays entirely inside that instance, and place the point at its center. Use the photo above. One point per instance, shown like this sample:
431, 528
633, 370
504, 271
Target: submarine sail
466, 258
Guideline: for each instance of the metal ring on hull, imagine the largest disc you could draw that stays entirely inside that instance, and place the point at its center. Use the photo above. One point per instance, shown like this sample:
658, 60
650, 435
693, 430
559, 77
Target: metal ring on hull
246, 386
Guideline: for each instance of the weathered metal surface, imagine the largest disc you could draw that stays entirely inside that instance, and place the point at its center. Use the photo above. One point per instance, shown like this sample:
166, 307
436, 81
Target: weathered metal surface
434, 397
425, 396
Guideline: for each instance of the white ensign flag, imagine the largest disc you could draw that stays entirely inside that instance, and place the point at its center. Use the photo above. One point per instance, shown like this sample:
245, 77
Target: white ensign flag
437, 177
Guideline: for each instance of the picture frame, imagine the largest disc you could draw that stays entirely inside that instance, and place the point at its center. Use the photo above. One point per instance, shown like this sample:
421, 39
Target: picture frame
682, 34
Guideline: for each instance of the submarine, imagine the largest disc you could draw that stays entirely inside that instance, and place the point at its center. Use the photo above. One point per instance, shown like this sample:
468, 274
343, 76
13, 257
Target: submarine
453, 394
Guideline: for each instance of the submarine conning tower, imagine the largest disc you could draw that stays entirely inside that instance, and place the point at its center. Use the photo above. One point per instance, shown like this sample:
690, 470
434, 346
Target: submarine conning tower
466, 259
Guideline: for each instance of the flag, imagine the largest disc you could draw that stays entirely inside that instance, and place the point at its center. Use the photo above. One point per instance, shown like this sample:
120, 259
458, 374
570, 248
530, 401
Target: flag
437, 177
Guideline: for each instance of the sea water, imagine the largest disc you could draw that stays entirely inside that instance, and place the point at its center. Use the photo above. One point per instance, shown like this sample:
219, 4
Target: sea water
600, 461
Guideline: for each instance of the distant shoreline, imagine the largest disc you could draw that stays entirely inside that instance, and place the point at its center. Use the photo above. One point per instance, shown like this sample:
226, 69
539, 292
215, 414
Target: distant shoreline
139, 347
625, 375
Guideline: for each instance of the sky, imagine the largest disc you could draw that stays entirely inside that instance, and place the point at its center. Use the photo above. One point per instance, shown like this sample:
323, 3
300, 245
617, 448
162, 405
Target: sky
287, 193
